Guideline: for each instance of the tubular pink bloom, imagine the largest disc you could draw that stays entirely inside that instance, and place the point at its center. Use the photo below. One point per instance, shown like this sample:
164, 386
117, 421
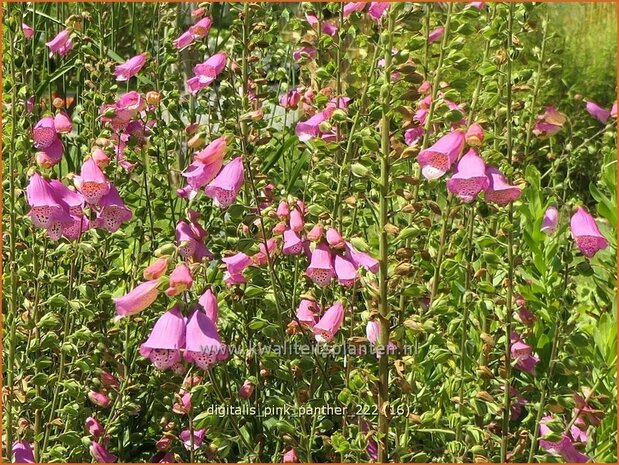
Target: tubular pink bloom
290, 456
327, 28
184, 406
372, 332
206, 73
236, 264
166, 339
113, 211
283, 210
201, 28
279, 228
73, 200
130, 104
100, 158
203, 346
198, 13
296, 220
199, 175
310, 129
436, 160
550, 122
377, 10
474, 135
346, 271
22, 452
190, 243
499, 190
44, 132
138, 299
213, 153
290, 99
62, 123
586, 414
198, 438
225, 187
247, 389
47, 210
61, 43
424, 87
156, 269
209, 304
232, 279
92, 183
101, 454
185, 39
550, 220
330, 323
315, 234
564, 447
522, 353
586, 233
260, 258
321, 269
109, 380
27, 31
361, 259
180, 280
613, 110
436, 34
307, 312
334, 239
94, 427
526, 316
50, 156
353, 6
293, 245
599, 113
130, 68
470, 177
78, 226
304, 52
99, 398
413, 136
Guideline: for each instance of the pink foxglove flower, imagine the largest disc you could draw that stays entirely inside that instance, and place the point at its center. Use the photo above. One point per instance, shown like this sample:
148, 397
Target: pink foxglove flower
184, 405
564, 447
327, 27
293, 245
247, 389
436, 160
310, 129
290, 456
330, 323
61, 43
320, 269
101, 454
306, 52
113, 211
237, 263
50, 156
296, 220
283, 210
201, 28
350, 7
550, 220
198, 438
261, 257
470, 177
586, 233
290, 99
474, 135
140, 298
185, 39
549, 123
436, 34
44, 132
209, 305
27, 31
377, 10
100, 157
166, 340
361, 259
180, 280
190, 242
307, 313
213, 153
108, 380
206, 73
315, 234
62, 123
92, 183
499, 190
99, 398
226, 186
599, 113
372, 332
94, 427
156, 269
335, 239
345, 270
130, 68
522, 353
203, 345
47, 210
413, 136
22, 452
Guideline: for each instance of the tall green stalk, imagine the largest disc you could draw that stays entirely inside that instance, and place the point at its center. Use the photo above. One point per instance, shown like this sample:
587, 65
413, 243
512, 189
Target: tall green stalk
383, 366
510, 247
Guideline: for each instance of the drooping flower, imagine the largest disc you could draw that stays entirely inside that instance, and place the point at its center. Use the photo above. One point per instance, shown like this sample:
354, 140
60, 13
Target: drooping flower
22, 452
526, 316
209, 305
237, 263
247, 389
296, 220
315, 234
350, 7
201, 28
94, 427
326, 28
413, 136
190, 241
293, 244
44, 132
564, 447
304, 52
320, 269
203, 345
361, 259
262, 256
436, 34
62, 123
61, 43
130, 68
290, 99
310, 129
436, 160
499, 190
307, 313
377, 10
470, 177
138, 299
522, 353
198, 438
101, 454
47, 210
183, 40
550, 220
108, 380
290, 456
586, 233
225, 187
156, 269
27, 31
213, 153
549, 123
330, 323
206, 73
372, 332
599, 113
345, 270
474, 135
50, 156
92, 183
183, 406
113, 211
478, 5
180, 280
335, 239
166, 339
99, 398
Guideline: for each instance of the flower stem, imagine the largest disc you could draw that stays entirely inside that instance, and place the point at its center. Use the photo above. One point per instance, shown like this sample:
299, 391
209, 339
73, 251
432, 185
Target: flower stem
383, 366
510, 247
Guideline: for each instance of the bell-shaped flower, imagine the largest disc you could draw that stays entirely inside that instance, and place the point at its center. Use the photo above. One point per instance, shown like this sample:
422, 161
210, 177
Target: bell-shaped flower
310, 129
27, 31
599, 113
307, 312
22, 452
361, 259
377, 10
293, 244
413, 136
550, 220
190, 242
62, 123
436, 34
166, 340
586, 233
183, 406
549, 123
320, 269
563, 447
315, 234
237, 263
213, 153
180, 280
283, 210
113, 211
47, 210
156, 269
335, 239
522, 353
304, 52
94, 427
92, 183
61, 43
140, 298
296, 220
499, 190
260, 258
345, 270
101, 454
100, 399
225, 187
474, 135
130, 68
330, 323
44, 132
209, 305
350, 7
201, 28
290, 456
247, 389
50, 156
183, 40
198, 438
470, 177
206, 73
290, 100
203, 345
436, 160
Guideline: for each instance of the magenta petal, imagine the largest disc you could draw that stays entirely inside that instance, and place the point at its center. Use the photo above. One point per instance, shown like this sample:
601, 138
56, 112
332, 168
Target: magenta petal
321, 269
346, 271
586, 233
330, 323
209, 304
436, 160
470, 177
225, 187
138, 299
